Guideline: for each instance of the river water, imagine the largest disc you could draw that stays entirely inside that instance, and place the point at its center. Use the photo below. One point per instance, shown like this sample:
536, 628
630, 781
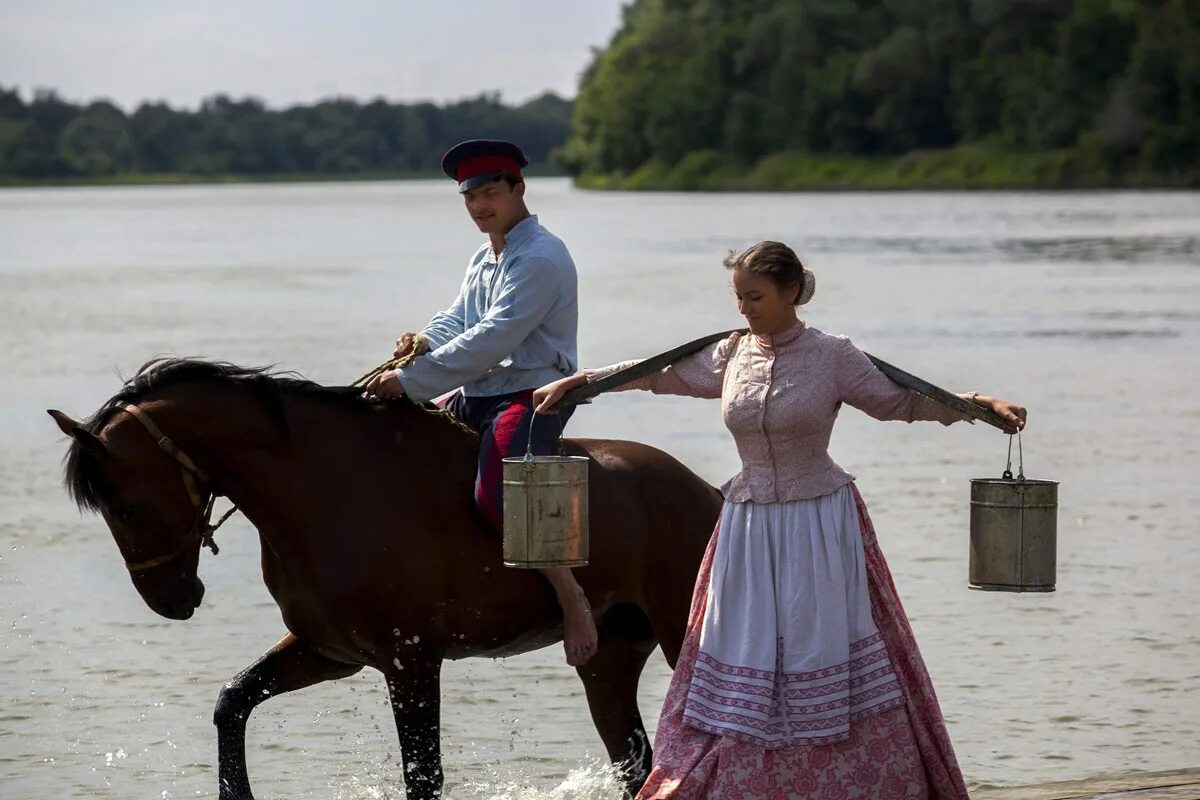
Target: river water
1084, 306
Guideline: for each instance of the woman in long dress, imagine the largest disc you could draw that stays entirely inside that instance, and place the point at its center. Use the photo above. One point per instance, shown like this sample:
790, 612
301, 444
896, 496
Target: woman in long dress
799, 676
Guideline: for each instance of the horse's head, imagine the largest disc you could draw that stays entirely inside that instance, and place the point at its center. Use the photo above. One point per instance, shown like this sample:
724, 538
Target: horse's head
116, 467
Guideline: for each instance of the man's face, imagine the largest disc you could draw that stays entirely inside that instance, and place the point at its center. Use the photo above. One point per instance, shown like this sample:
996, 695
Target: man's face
496, 206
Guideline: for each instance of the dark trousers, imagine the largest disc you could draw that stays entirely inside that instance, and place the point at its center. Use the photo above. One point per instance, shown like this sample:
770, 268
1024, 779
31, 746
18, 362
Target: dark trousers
503, 423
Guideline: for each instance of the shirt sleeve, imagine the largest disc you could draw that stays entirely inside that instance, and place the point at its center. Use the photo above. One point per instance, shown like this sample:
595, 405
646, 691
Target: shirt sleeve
702, 374
447, 324
528, 292
863, 386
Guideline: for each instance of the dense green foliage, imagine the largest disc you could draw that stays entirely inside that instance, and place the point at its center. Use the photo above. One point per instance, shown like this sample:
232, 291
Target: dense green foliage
49, 138
792, 93
720, 94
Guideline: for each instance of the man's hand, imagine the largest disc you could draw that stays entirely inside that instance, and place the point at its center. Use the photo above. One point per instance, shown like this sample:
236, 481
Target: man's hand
406, 344
385, 385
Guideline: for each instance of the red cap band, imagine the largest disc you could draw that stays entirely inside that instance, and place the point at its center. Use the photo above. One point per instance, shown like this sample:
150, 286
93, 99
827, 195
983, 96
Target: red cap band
480, 165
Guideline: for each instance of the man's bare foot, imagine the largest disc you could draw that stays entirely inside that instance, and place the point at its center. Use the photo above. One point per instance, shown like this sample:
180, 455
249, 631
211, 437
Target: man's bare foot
579, 630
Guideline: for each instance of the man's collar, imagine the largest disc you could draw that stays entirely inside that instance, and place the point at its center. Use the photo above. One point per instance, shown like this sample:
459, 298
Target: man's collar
516, 234
521, 231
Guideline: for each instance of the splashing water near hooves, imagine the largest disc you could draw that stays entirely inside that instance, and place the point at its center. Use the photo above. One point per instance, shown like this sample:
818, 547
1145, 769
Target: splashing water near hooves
594, 781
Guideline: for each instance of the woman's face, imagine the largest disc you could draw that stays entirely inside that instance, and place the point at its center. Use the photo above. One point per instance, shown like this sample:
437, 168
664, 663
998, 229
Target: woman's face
768, 308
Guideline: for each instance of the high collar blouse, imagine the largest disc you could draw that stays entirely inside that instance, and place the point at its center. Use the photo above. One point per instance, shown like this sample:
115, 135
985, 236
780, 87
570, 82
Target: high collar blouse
779, 397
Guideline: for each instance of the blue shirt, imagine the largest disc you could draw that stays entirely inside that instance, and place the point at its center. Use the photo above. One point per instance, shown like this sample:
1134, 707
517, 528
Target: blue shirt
513, 326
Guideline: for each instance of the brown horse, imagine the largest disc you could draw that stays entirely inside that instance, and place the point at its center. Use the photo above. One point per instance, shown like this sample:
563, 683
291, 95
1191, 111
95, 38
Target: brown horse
367, 527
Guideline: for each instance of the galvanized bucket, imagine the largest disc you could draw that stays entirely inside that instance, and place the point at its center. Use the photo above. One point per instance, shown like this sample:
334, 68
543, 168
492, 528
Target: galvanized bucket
545, 509
1014, 531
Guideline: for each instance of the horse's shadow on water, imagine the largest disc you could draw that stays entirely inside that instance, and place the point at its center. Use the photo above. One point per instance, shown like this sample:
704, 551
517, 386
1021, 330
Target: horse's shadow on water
372, 546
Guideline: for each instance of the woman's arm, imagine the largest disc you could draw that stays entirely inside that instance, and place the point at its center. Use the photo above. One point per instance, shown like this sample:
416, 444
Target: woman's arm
698, 375
863, 386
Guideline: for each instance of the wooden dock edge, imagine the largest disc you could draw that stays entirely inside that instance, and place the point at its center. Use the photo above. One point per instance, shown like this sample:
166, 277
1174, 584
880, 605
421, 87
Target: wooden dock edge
1178, 784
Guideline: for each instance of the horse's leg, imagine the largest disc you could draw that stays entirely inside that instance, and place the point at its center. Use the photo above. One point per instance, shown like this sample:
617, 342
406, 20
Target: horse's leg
668, 619
671, 641
414, 686
289, 665
669, 605
610, 679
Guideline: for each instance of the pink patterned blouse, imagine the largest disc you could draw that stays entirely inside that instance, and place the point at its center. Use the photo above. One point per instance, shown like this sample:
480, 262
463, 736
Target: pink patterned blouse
780, 396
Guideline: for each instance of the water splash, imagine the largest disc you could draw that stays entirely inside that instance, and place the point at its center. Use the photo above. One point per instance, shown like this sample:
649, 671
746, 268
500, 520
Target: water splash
592, 781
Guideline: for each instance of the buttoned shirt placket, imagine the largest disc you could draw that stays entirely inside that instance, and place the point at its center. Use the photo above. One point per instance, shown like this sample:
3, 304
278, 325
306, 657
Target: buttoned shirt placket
488, 272
762, 420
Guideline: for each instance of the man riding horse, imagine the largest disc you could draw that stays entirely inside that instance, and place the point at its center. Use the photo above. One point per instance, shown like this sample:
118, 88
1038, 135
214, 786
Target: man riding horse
512, 328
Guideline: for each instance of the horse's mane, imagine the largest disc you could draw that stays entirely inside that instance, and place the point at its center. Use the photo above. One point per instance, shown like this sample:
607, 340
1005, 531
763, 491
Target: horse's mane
269, 387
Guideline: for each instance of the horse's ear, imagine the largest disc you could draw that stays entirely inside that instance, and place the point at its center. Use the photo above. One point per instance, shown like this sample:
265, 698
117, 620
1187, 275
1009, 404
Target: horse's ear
73, 429
65, 423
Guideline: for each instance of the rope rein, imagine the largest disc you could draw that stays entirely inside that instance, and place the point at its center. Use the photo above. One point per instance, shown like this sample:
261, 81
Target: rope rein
420, 348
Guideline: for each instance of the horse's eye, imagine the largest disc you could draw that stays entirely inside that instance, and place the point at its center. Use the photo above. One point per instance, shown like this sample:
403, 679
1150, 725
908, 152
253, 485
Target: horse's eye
125, 514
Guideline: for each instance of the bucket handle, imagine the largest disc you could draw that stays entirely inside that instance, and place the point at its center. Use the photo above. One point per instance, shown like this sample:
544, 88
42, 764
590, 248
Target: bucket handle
1021, 460
562, 445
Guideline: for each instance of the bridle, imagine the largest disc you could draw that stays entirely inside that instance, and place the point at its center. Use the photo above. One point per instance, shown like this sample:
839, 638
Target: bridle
193, 478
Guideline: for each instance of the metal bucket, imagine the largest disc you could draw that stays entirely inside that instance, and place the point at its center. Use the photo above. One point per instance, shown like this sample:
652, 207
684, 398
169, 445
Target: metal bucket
1014, 532
545, 510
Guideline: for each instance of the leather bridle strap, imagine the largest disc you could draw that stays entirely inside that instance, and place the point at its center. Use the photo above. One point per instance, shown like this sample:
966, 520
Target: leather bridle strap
184, 545
190, 472
170, 448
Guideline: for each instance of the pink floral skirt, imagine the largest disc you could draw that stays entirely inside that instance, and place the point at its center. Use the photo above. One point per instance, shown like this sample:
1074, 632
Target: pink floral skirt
900, 754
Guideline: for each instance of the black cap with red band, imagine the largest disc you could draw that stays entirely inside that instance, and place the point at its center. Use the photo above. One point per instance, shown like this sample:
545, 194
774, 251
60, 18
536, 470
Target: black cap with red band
477, 161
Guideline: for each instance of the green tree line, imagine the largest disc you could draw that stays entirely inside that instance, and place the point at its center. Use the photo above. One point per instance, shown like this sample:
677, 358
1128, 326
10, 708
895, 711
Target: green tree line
51, 138
787, 93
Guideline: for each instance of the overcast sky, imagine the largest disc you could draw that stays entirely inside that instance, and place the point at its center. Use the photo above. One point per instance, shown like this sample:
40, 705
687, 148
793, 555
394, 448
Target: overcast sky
298, 51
